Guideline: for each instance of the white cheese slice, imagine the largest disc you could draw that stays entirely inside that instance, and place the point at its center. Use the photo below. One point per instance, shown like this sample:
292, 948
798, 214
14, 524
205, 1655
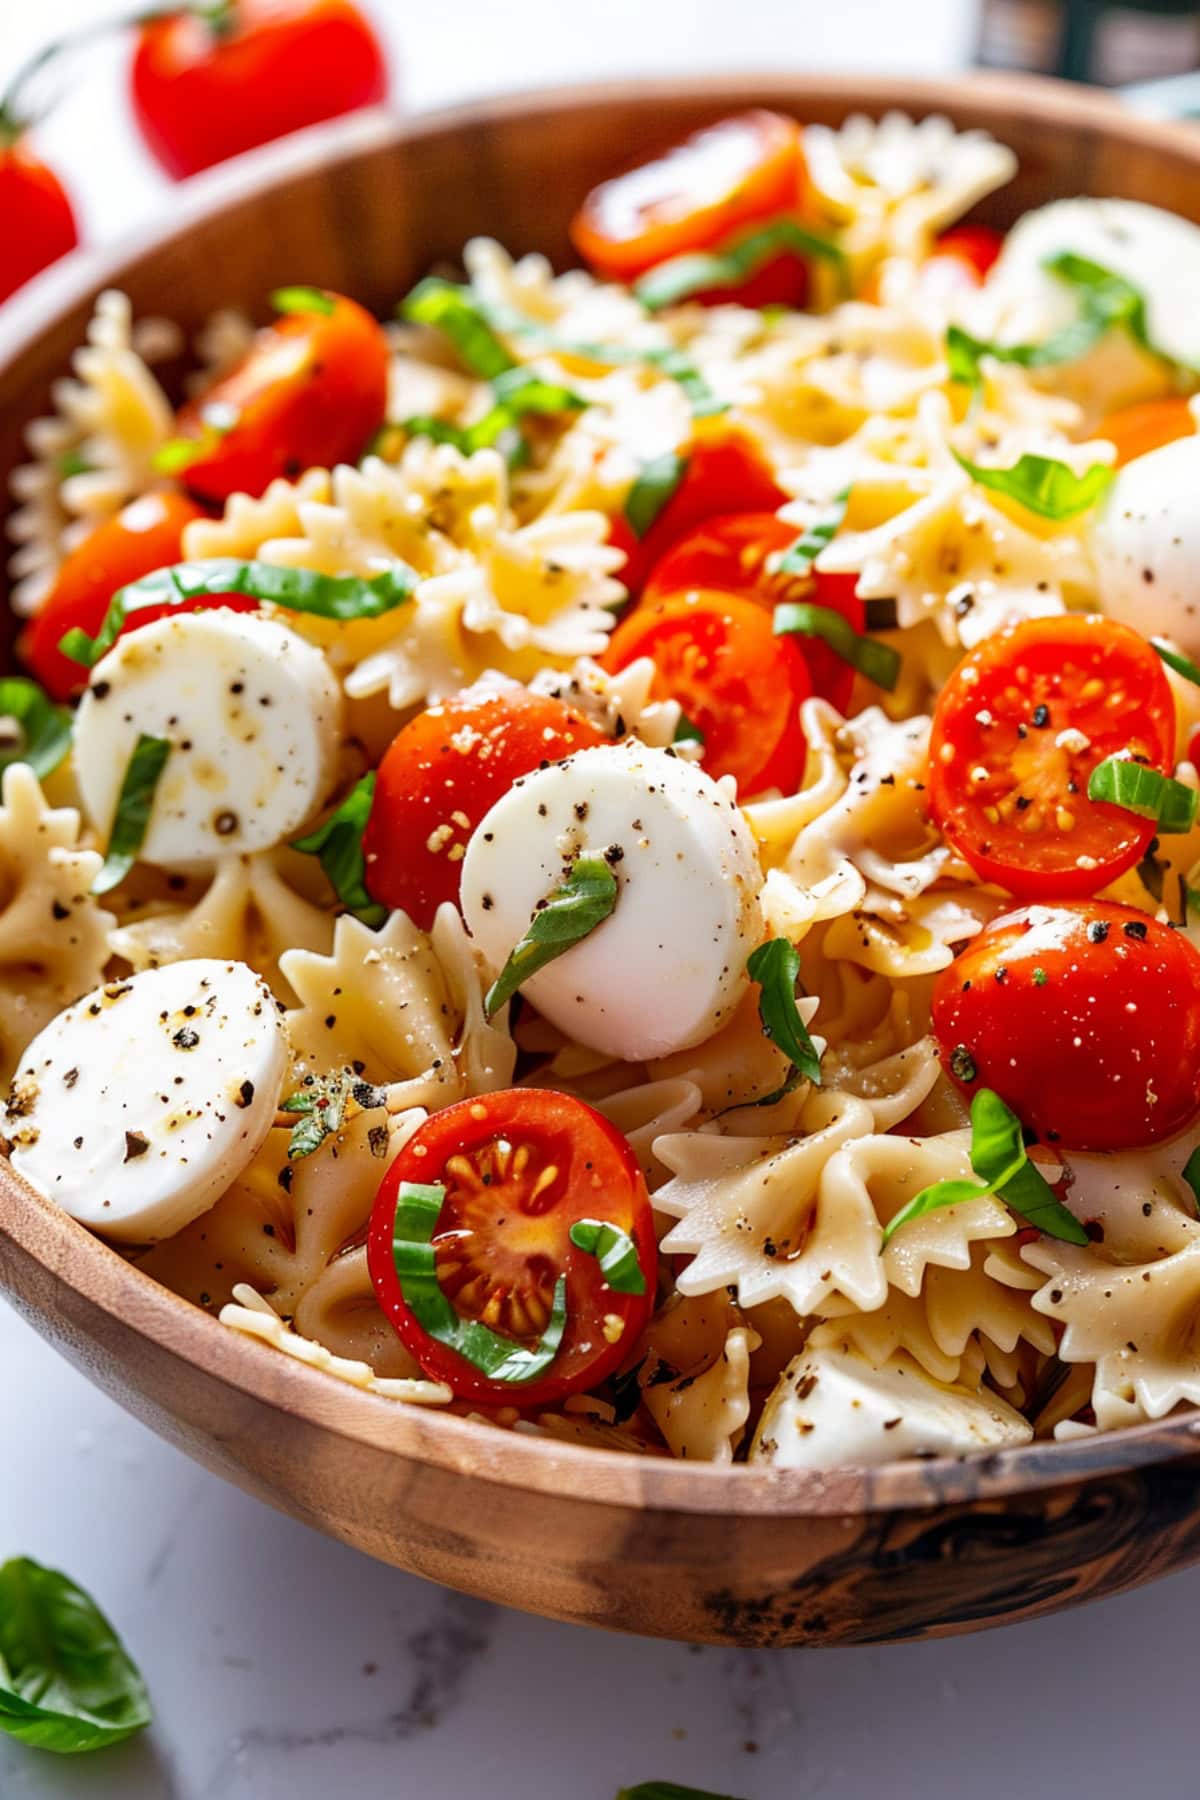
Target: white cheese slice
1146, 542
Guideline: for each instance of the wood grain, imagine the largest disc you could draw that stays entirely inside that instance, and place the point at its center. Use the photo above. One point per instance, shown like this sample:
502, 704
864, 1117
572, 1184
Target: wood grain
735, 1556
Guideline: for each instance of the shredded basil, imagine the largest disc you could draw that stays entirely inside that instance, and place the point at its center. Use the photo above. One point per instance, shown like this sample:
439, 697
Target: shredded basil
1144, 791
33, 729
775, 966
73, 462
417, 1210
518, 392
799, 557
340, 597
67, 1683
678, 367
999, 1158
302, 300
652, 490
880, 663
583, 901
453, 310
1175, 660
687, 731
733, 263
614, 1250
1042, 484
1191, 1174
134, 806
338, 846
321, 1104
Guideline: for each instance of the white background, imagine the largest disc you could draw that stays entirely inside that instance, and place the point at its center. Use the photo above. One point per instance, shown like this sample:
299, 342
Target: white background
284, 1667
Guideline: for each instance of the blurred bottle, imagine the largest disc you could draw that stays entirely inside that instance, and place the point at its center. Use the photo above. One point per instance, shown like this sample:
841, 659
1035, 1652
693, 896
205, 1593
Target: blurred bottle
1110, 42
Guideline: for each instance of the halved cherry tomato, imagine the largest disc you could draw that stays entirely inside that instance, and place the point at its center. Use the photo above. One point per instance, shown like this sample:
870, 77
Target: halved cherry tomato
205, 88
724, 474
1083, 1016
1020, 726
442, 773
740, 684
1136, 430
39, 222
519, 1168
746, 168
731, 554
145, 535
974, 247
310, 392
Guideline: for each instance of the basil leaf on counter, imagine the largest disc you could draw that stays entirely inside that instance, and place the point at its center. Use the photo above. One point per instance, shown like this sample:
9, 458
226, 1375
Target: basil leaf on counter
67, 1683
799, 557
302, 300
880, 663
1042, 484
33, 729
1123, 782
775, 966
453, 310
614, 1250
417, 1210
583, 901
135, 803
999, 1158
732, 264
1175, 659
651, 491
668, 1790
338, 846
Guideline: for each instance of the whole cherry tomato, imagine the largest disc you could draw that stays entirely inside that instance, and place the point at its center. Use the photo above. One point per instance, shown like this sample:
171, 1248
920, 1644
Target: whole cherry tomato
517, 1170
209, 82
39, 224
739, 684
144, 536
735, 174
310, 392
1136, 430
442, 773
1019, 727
1083, 1016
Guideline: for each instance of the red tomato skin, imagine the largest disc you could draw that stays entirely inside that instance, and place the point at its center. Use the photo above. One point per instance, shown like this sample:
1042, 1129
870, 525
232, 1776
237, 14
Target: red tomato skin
724, 474
144, 536
39, 220
976, 247
310, 392
603, 1181
199, 97
423, 779
1030, 867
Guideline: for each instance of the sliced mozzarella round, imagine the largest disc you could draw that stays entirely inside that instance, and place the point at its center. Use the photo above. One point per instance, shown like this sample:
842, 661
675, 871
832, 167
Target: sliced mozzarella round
831, 1406
1146, 543
136, 1107
252, 714
668, 965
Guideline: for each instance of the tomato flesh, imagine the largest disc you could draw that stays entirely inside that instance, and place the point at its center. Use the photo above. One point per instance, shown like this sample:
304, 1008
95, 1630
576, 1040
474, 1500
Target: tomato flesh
1136, 430
1019, 727
519, 1168
442, 773
39, 221
746, 168
311, 392
724, 474
1083, 1016
718, 655
975, 247
144, 536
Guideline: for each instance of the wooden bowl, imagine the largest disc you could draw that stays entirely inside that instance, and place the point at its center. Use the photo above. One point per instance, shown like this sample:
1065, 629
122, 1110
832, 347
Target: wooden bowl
725, 1555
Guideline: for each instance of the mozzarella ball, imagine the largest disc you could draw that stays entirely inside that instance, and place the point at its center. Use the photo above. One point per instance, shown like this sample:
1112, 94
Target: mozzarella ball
1146, 543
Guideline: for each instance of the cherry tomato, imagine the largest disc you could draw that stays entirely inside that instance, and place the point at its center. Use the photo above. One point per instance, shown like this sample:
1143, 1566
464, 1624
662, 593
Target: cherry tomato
205, 89
731, 554
310, 392
1136, 430
519, 1168
743, 170
39, 223
145, 535
740, 684
974, 247
1083, 1016
442, 773
724, 474
1020, 726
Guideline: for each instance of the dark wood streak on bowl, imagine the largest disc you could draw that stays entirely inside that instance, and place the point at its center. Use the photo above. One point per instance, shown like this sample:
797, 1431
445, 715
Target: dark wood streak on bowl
735, 1556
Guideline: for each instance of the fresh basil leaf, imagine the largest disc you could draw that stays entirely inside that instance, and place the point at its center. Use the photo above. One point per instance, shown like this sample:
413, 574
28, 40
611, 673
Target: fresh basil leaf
73, 462
1191, 1174
652, 490
668, 1790
799, 557
775, 966
302, 300
614, 1250
340, 597
66, 1681
417, 1210
687, 732
453, 310
338, 846
33, 729
1174, 659
1108, 299
1144, 791
583, 901
880, 663
732, 263
679, 368
134, 806
1045, 486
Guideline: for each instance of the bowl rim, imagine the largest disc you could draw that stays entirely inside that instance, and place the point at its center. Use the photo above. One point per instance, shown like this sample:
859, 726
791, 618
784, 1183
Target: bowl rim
100, 1276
